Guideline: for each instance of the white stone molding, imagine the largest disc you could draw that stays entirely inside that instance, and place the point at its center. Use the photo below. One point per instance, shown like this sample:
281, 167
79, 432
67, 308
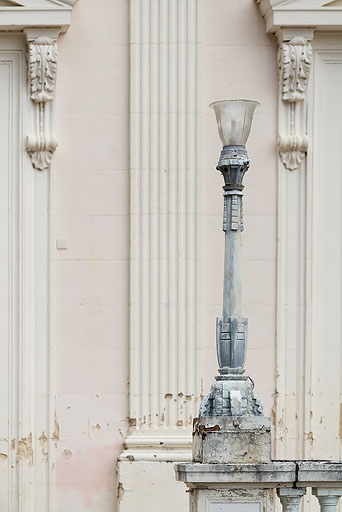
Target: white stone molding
324, 217
20, 14
294, 58
28, 426
42, 21
309, 266
292, 411
301, 13
164, 386
42, 69
27, 430
308, 384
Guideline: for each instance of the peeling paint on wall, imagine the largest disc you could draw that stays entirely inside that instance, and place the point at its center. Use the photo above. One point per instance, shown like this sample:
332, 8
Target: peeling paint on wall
55, 435
42, 440
120, 492
25, 450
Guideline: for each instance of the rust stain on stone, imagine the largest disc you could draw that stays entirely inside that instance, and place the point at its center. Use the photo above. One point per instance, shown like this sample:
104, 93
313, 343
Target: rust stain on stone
213, 428
310, 437
55, 435
25, 450
203, 429
120, 492
42, 440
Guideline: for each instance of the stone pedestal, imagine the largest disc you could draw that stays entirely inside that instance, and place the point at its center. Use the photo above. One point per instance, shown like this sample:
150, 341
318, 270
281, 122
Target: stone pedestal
234, 487
231, 500
229, 439
230, 469
251, 487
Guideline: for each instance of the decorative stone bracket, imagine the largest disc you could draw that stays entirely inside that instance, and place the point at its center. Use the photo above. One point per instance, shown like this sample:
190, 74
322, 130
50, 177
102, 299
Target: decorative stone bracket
294, 59
42, 68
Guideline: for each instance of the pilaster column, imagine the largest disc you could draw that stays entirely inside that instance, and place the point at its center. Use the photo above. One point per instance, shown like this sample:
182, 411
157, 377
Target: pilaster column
290, 498
328, 498
164, 388
293, 353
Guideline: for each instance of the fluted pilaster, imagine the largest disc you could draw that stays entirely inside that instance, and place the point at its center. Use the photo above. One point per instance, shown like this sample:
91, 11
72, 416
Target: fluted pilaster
163, 115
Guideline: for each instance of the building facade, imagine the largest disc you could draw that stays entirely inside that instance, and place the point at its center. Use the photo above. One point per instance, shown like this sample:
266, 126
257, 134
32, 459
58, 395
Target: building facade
112, 246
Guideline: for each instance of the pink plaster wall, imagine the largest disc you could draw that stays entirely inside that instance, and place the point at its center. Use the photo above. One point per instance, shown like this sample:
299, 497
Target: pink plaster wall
91, 207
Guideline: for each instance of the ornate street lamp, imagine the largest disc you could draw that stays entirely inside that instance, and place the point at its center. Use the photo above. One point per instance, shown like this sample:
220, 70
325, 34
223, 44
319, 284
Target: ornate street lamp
231, 468
232, 393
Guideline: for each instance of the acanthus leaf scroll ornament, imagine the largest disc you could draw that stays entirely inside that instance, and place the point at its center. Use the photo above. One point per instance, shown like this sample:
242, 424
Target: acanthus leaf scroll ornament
294, 59
42, 67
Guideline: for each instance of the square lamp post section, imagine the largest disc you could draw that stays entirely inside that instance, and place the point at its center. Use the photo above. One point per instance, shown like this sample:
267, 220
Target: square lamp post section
231, 469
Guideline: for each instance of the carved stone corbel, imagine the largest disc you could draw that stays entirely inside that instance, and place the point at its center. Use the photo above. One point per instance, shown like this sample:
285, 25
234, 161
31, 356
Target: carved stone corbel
294, 60
42, 68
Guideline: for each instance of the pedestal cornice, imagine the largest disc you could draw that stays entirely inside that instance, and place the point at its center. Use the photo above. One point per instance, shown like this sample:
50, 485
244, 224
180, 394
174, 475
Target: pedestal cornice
317, 474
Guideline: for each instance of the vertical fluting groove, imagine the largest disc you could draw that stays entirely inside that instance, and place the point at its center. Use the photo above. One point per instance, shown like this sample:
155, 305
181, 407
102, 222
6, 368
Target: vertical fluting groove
13, 311
307, 398
173, 183
181, 208
163, 208
155, 174
191, 164
340, 324
146, 231
280, 383
300, 369
136, 224
303, 263
163, 243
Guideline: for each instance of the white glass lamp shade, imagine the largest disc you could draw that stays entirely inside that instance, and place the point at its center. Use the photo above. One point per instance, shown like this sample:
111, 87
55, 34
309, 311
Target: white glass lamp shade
234, 120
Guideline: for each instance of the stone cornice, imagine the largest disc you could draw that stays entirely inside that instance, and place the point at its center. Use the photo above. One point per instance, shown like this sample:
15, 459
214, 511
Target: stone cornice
33, 13
318, 14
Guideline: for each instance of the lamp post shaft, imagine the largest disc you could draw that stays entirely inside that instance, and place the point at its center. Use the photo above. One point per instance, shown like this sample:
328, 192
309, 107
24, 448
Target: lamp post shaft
232, 226
231, 337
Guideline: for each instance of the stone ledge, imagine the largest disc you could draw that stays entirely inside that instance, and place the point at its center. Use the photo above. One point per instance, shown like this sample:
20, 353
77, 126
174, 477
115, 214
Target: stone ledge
321, 474
271, 474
